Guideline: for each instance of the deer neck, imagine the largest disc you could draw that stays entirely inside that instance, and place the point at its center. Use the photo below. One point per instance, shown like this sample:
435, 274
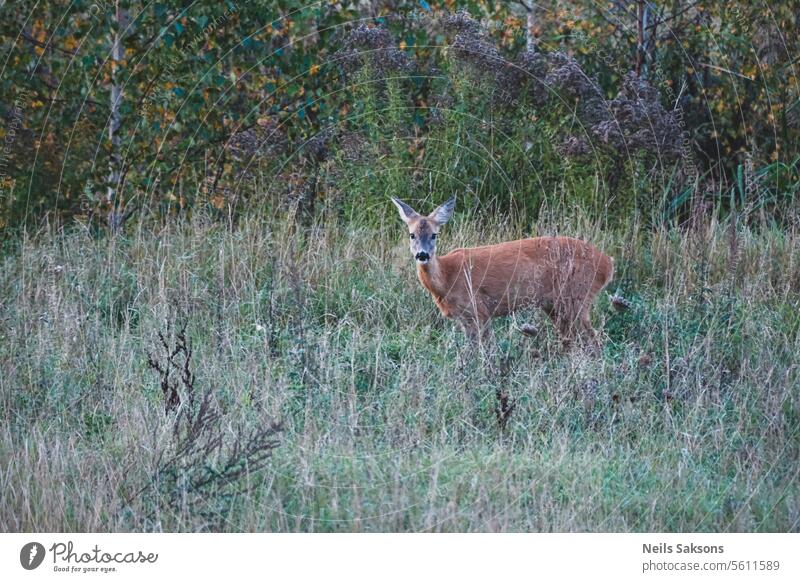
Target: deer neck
432, 277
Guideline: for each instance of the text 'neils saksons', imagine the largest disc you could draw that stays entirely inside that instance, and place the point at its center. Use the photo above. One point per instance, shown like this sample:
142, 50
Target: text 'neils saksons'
663, 548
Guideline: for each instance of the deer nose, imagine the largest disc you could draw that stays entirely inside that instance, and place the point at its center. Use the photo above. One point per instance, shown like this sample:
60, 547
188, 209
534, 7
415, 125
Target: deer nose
422, 256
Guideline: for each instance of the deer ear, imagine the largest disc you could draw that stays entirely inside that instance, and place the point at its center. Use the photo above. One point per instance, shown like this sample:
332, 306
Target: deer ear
444, 212
406, 212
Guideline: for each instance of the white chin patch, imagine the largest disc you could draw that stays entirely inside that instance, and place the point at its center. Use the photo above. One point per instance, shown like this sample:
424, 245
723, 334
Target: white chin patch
421, 262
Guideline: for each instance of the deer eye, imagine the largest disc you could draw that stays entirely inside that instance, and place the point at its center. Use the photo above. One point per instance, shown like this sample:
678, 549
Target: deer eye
413, 236
433, 235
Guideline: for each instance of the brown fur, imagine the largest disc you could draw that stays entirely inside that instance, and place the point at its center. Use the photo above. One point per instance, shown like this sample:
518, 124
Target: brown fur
560, 275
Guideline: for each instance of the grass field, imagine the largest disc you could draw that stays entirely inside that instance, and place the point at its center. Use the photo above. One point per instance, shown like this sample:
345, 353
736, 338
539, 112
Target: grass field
687, 421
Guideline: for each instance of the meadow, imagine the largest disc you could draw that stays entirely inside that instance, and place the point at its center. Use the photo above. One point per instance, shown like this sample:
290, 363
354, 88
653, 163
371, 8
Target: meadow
210, 319
374, 413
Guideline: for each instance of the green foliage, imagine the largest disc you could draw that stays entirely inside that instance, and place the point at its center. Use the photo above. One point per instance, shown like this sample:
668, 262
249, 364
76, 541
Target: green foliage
193, 78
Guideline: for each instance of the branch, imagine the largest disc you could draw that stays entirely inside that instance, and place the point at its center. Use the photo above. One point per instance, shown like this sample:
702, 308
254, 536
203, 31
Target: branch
674, 15
46, 45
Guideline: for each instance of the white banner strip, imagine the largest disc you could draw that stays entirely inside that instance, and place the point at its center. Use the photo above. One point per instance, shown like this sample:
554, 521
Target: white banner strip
404, 557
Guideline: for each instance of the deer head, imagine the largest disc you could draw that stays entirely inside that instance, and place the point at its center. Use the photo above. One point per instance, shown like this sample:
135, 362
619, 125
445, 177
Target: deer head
423, 230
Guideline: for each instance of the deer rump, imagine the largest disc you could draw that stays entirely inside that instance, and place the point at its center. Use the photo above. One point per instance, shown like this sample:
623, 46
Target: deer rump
560, 275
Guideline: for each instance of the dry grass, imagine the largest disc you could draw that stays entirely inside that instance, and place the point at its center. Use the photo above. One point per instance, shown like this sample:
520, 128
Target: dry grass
688, 421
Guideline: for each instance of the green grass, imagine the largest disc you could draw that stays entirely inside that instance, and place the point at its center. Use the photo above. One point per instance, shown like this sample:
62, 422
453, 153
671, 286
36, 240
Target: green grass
687, 421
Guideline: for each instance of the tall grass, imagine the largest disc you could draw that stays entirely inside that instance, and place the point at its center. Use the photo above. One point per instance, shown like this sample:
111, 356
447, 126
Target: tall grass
687, 421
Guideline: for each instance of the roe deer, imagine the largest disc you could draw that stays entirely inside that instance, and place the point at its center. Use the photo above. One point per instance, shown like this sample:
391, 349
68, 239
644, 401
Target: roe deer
558, 274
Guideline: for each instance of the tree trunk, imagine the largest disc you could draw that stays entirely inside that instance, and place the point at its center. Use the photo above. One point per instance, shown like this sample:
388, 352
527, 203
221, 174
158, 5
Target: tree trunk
530, 41
530, 23
642, 14
114, 213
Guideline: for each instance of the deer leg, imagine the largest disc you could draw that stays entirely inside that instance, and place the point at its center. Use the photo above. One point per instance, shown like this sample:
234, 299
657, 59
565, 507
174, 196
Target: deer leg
487, 335
565, 328
589, 335
471, 329
478, 332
